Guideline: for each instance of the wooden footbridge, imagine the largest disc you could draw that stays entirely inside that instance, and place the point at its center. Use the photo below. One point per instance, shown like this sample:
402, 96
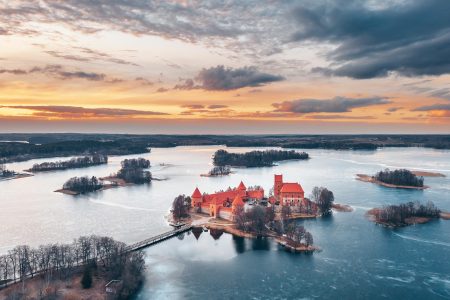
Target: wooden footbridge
156, 239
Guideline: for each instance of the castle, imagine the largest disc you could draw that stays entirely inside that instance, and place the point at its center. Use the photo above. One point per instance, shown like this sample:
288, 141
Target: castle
224, 204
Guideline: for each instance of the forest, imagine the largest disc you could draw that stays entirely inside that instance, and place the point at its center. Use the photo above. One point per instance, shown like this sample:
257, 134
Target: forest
83, 184
76, 162
397, 214
132, 171
399, 177
255, 158
85, 255
16, 151
38, 145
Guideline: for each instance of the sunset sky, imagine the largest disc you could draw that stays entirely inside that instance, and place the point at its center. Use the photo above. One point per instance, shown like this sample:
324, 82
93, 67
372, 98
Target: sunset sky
225, 66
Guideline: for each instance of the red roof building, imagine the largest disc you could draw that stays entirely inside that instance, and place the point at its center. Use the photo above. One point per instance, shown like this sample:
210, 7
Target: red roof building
225, 202
287, 193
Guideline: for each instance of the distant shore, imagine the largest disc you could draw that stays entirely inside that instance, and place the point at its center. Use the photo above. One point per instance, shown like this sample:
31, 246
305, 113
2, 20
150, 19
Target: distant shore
368, 178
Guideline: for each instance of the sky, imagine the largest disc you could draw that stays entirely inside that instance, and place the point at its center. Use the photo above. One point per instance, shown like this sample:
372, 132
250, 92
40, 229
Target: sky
225, 67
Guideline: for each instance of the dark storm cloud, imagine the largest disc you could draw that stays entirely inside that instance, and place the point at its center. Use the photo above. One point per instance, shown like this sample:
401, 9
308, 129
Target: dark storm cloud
335, 105
411, 37
82, 111
221, 78
433, 107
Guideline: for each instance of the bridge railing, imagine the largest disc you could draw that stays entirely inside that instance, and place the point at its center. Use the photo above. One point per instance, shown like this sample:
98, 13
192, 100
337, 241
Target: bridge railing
157, 238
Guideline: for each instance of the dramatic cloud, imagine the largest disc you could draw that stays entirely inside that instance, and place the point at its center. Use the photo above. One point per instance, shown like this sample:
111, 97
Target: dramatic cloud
221, 78
407, 37
77, 111
335, 105
433, 107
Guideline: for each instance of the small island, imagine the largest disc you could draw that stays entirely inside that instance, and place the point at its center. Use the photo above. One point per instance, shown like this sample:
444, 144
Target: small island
406, 214
131, 172
401, 178
6, 174
82, 185
218, 171
256, 158
76, 162
246, 212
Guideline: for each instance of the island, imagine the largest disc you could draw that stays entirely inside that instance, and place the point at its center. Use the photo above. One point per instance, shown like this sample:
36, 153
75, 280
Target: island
218, 171
83, 269
246, 212
82, 185
406, 214
131, 172
400, 178
76, 162
256, 158
6, 174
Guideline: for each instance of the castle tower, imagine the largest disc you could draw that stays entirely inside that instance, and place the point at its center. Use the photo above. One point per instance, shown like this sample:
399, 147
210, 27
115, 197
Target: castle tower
277, 185
196, 198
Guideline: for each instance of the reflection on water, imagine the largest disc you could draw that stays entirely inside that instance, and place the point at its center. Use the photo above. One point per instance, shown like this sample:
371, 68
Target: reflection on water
359, 260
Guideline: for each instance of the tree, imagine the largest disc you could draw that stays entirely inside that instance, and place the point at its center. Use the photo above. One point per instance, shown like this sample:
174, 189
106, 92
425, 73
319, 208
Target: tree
285, 212
308, 239
180, 207
257, 218
240, 218
86, 280
323, 198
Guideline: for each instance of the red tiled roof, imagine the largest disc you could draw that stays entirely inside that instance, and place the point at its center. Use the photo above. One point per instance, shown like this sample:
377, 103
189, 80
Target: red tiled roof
291, 188
241, 186
196, 193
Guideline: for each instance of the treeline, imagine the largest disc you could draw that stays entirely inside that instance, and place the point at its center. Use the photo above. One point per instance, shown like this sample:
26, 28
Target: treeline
323, 198
397, 214
83, 184
132, 171
255, 158
219, 171
15, 151
61, 261
399, 177
76, 162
